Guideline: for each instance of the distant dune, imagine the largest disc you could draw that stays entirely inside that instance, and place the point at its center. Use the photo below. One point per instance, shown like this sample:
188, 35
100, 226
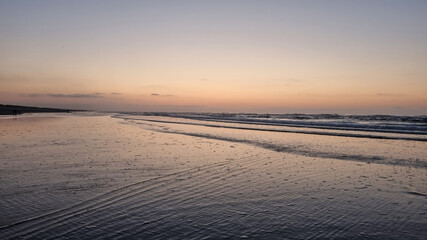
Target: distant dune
14, 109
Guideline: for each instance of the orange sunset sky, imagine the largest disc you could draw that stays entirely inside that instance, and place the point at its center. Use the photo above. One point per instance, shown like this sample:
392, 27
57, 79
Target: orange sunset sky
361, 57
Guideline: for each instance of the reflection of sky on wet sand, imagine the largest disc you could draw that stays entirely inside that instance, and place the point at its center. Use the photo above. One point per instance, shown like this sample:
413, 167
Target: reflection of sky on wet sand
108, 176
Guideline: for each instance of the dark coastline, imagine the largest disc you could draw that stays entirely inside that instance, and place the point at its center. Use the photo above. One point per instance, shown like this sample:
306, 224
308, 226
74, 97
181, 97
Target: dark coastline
15, 110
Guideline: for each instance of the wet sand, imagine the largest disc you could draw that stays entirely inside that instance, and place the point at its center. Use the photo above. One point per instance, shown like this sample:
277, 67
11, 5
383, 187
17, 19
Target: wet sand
80, 176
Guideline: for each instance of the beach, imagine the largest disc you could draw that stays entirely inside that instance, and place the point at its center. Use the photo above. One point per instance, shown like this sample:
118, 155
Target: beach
104, 176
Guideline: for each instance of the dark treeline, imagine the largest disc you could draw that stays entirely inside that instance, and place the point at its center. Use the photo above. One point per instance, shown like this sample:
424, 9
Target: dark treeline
16, 110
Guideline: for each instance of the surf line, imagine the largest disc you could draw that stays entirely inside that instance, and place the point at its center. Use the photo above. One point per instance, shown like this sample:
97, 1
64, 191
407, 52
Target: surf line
282, 130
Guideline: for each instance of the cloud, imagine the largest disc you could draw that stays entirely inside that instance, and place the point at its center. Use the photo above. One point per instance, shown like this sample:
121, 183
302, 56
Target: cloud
76, 95
116, 93
59, 95
390, 95
32, 95
161, 95
165, 106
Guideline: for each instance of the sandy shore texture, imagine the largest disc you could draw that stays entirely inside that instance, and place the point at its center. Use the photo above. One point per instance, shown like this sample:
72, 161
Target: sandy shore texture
92, 176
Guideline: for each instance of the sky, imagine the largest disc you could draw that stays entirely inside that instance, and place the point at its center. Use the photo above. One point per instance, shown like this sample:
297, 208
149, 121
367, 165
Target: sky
347, 57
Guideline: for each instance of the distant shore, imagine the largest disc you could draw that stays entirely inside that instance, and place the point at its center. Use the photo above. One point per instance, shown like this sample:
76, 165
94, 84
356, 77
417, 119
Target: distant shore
16, 110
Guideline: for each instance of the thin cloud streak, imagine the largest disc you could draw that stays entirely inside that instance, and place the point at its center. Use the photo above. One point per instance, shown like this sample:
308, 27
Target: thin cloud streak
390, 95
60, 95
155, 105
161, 95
